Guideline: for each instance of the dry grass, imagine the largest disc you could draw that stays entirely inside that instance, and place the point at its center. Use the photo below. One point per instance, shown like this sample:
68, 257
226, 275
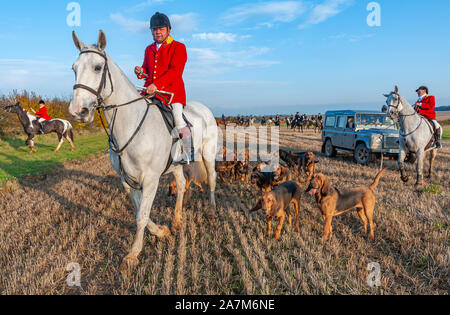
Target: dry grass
82, 215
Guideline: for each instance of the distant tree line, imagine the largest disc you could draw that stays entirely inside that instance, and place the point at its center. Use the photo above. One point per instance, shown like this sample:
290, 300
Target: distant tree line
443, 108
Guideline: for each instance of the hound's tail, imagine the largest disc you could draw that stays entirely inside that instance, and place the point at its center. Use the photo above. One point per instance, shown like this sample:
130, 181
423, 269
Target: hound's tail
377, 180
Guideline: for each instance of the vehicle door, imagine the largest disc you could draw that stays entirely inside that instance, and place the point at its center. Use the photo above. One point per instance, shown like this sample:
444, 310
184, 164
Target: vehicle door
349, 136
329, 130
341, 123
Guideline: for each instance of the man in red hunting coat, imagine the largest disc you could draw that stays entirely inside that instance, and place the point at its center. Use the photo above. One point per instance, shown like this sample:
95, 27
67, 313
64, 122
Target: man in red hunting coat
42, 115
425, 106
163, 69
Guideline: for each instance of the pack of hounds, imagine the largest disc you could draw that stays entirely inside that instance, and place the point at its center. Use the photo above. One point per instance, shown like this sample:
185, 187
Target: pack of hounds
287, 183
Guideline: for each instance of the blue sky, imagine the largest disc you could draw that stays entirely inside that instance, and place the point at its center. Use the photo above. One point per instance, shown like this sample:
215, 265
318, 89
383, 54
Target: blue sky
248, 57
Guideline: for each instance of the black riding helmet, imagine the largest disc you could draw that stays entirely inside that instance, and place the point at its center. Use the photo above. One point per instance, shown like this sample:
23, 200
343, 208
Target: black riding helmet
159, 20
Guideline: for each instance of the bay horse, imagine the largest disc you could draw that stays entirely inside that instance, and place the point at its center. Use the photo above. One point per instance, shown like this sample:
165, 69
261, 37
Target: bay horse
32, 127
221, 122
416, 135
141, 144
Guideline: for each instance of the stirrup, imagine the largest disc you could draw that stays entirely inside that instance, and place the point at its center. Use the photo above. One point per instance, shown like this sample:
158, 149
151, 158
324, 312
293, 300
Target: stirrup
184, 160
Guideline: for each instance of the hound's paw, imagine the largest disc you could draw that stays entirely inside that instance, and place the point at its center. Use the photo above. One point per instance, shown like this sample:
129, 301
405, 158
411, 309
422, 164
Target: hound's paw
164, 233
176, 226
128, 265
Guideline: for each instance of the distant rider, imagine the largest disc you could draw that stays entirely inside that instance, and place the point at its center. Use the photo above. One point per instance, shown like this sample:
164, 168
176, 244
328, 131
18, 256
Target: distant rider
425, 106
42, 115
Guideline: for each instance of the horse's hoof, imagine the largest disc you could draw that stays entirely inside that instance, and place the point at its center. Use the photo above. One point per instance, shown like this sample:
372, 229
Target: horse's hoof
164, 233
405, 179
128, 265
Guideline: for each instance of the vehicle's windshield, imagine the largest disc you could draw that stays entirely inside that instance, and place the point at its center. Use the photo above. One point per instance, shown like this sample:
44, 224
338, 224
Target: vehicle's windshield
374, 121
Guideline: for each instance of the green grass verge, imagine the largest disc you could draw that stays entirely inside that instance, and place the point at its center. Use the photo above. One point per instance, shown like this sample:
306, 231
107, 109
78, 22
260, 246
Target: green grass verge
446, 135
16, 162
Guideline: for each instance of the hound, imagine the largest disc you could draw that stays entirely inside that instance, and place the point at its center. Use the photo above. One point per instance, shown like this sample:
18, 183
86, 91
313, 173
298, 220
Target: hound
334, 202
276, 204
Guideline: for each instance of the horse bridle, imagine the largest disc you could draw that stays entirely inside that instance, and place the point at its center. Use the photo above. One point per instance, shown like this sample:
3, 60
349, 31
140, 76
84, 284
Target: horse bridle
103, 81
101, 104
403, 116
101, 107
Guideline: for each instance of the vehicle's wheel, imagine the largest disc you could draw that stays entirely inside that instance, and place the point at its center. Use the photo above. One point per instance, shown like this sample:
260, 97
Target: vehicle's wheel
363, 155
330, 150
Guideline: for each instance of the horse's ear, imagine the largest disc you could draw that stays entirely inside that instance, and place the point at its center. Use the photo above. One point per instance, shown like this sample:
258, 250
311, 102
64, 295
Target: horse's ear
78, 43
396, 89
101, 42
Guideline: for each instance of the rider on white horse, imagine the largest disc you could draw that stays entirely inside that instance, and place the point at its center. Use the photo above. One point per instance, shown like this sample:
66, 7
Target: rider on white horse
425, 106
163, 69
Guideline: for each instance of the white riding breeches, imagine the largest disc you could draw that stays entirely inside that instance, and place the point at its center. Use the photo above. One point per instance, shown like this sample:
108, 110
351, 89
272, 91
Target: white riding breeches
41, 120
178, 116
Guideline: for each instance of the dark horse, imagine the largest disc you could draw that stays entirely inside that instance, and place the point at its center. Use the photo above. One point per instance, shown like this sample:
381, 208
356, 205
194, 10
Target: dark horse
32, 127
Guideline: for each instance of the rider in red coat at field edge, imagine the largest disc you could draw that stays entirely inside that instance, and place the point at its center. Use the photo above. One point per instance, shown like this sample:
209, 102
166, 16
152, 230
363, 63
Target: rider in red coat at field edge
425, 106
42, 115
163, 69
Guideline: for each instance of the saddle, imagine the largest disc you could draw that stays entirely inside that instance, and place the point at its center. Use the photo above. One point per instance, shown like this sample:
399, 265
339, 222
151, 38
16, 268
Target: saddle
169, 120
167, 115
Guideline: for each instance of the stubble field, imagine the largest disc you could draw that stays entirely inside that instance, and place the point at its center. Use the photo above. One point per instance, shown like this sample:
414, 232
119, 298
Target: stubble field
80, 214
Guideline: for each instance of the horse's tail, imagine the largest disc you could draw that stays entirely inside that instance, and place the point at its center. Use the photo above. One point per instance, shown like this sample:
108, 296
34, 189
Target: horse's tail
377, 180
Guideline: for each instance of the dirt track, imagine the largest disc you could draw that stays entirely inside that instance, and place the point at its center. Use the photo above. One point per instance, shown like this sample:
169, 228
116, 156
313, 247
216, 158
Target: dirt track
80, 214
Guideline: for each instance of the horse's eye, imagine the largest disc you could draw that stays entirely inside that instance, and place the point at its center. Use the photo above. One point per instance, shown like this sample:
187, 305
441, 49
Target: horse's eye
98, 68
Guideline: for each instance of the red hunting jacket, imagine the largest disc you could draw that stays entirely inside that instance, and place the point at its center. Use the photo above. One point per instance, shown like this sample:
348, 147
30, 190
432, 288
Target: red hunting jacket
428, 106
165, 68
42, 114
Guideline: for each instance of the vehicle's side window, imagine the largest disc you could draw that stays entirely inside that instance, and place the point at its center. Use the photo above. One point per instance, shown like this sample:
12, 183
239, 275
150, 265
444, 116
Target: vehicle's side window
331, 121
351, 123
342, 122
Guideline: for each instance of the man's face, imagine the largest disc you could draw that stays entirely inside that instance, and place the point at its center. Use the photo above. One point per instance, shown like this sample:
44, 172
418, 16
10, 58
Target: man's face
160, 34
421, 93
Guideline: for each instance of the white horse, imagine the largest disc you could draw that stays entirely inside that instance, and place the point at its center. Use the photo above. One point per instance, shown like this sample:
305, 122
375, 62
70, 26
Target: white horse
416, 135
146, 142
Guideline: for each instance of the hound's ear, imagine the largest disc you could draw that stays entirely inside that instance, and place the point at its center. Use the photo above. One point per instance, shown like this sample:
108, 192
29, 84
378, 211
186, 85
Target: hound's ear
257, 207
326, 188
78, 43
396, 89
275, 205
101, 42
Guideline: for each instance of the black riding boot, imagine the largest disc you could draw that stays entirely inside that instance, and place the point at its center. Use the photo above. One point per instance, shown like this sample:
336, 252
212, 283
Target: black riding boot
437, 136
42, 128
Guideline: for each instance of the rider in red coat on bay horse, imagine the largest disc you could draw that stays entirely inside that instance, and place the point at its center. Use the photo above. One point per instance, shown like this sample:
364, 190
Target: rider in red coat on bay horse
163, 69
425, 106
